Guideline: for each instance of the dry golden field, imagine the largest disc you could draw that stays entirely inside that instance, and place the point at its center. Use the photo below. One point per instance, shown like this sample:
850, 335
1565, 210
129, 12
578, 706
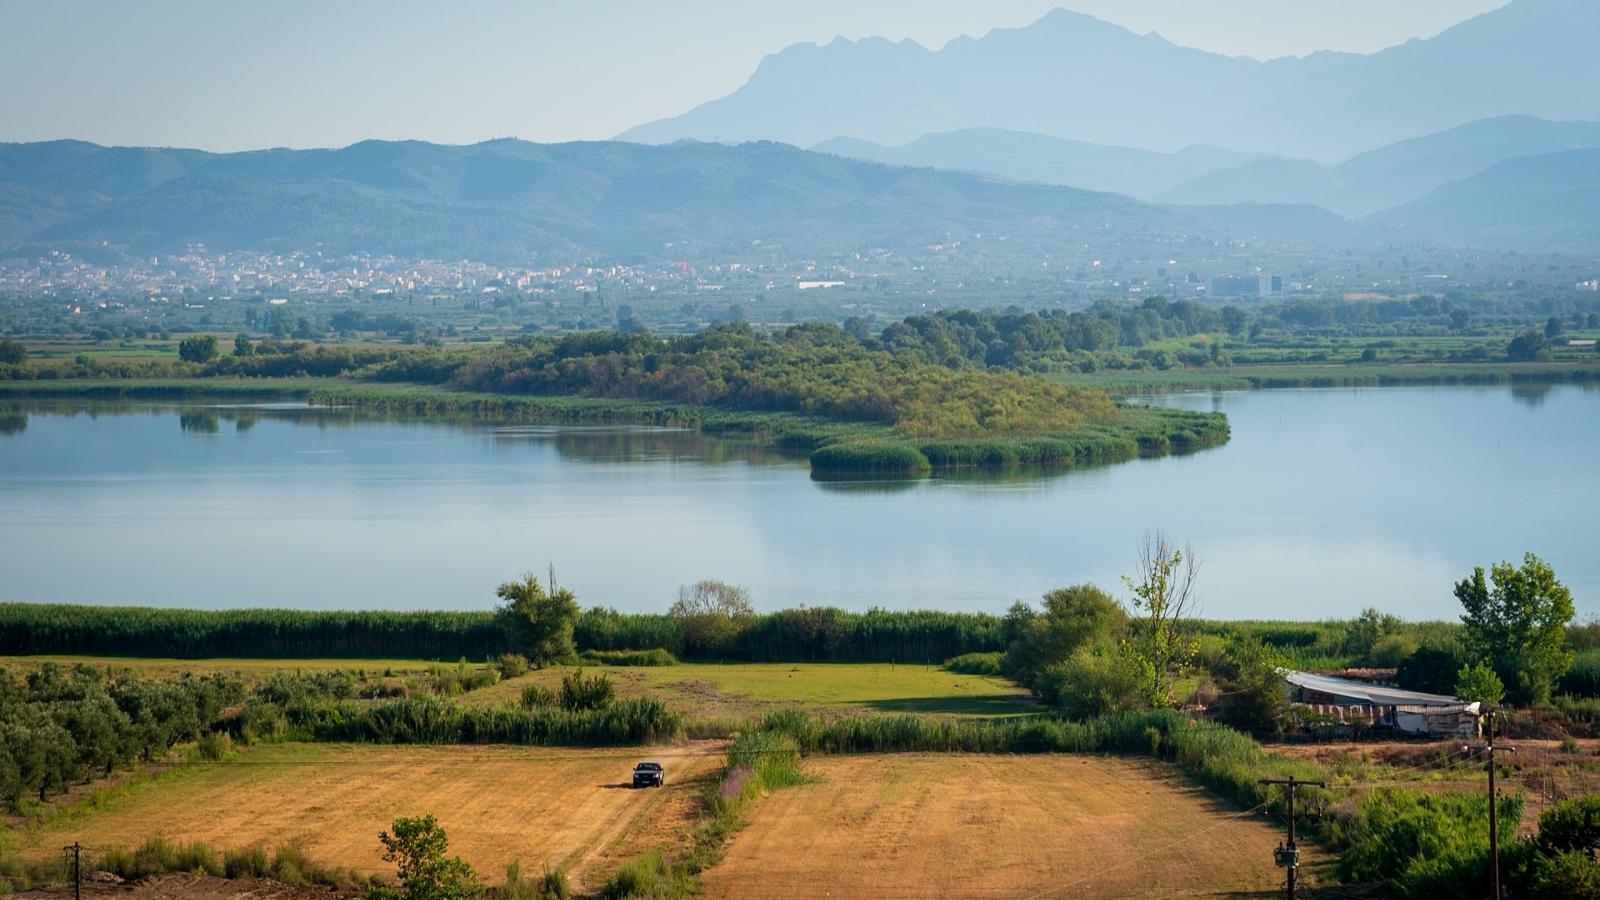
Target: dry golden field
560, 808
959, 825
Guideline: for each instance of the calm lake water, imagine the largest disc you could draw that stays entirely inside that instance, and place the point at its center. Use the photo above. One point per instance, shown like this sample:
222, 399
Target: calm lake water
1325, 501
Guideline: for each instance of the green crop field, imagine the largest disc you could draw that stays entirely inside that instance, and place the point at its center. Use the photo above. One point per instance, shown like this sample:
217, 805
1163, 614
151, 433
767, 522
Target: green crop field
711, 690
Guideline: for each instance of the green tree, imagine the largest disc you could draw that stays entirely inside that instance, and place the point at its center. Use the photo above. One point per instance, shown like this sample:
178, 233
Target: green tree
1477, 683
540, 624
1529, 347
417, 848
1073, 618
200, 348
1164, 598
13, 353
712, 615
243, 347
1252, 698
1553, 327
1516, 622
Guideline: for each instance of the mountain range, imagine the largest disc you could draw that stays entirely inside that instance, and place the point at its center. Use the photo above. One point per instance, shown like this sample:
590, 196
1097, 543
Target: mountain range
1073, 76
513, 201
1208, 176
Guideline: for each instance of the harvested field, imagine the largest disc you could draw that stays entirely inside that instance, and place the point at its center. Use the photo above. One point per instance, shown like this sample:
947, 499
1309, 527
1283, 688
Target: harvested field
926, 825
712, 690
542, 807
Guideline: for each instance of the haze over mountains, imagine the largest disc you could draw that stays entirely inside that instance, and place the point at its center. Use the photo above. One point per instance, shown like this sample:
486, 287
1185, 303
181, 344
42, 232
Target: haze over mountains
512, 201
1069, 133
1072, 76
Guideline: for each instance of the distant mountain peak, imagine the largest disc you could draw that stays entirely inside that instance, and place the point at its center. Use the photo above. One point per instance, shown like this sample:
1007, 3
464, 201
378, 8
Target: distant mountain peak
1072, 75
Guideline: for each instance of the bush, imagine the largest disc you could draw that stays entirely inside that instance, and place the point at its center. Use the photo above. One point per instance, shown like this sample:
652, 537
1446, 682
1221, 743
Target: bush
552, 885
158, 856
656, 657
1582, 678
535, 696
581, 693
215, 746
1090, 684
251, 863
1478, 683
1425, 845
646, 876
511, 665
976, 664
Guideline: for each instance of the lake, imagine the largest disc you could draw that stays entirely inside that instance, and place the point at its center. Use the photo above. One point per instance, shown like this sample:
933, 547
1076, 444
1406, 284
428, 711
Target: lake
1323, 502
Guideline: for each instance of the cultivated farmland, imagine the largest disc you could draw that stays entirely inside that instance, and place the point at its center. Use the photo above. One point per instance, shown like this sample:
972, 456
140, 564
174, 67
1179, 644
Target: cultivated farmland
710, 690
537, 806
924, 825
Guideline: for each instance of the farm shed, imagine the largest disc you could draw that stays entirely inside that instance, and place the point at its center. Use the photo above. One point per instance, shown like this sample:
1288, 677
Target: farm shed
1408, 712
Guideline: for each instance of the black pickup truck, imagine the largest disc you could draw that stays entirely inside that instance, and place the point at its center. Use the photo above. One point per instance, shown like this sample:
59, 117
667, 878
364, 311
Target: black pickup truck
649, 774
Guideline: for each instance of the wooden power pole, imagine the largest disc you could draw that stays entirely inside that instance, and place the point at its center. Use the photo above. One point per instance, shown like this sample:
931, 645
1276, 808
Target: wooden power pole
1489, 749
1288, 856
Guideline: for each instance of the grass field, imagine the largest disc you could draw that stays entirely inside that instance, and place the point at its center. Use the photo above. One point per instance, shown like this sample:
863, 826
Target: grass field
711, 690
919, 825
559, 808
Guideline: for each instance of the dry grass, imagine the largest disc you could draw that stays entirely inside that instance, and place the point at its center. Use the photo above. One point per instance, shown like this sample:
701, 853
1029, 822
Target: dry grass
921, 825
540, 806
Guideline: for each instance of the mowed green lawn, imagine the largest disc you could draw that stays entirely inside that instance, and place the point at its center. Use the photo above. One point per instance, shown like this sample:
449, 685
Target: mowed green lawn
745, 689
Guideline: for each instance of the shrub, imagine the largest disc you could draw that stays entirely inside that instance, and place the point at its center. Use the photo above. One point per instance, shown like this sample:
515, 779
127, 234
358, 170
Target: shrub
1478, 683
216, 746
646, 876
1091, 683
250, 863
537, 695
1582, 678
656, 657
512, 665
1425, 845
580, 693
976, 664
417, 847
552, 885
159, 856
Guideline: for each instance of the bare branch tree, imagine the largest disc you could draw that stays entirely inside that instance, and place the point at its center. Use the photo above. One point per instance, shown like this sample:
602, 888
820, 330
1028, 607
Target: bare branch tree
1165, 597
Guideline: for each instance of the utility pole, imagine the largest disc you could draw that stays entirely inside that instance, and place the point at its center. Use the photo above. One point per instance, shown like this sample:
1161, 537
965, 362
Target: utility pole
1494, 812
1288, 856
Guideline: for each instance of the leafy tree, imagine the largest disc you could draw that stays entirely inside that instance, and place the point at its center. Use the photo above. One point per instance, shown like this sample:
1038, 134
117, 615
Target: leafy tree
1432, 669
1073, 618
200, 348
417, 848
1164, 596
13, 353
1529, 347
1092, 682
539, 624
712, 615
243, 347
1554, 327
1477, 683
1516, 622
1252, 697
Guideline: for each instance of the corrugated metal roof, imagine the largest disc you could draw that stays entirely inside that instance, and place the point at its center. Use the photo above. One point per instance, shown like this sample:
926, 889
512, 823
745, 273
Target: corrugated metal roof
1363, 692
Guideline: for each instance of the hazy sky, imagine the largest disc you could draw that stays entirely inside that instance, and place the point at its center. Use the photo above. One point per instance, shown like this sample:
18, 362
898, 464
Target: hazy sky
300, 73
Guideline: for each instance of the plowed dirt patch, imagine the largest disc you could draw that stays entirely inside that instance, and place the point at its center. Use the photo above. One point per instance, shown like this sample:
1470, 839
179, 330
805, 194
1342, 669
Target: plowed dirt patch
916, 825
